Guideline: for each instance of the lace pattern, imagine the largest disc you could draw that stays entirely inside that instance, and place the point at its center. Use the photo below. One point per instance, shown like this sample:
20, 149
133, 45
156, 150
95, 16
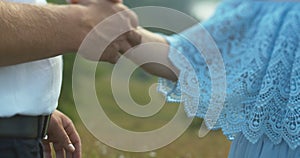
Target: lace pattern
259, 42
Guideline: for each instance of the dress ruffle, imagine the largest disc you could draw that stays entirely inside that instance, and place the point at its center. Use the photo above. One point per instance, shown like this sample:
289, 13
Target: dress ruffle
260, 46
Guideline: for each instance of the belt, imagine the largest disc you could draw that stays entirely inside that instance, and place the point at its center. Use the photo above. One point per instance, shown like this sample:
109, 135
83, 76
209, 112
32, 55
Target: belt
21, 126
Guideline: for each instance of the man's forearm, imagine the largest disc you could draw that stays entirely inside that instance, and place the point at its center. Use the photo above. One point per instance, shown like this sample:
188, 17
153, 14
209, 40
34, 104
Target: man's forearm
29, 32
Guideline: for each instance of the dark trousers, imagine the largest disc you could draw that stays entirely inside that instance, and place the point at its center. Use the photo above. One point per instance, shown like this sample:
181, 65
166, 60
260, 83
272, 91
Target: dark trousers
20, 148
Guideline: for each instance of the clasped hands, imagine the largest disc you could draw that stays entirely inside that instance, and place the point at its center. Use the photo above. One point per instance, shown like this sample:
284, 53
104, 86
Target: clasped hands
117, 17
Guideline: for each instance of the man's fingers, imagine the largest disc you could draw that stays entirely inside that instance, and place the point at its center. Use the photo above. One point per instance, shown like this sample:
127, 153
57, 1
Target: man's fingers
69, 154
59, 150
124, 46
64, 146
134, 38
133, 18
114, 57
47, 150
75, 148
77, 152
111, 53
62, 151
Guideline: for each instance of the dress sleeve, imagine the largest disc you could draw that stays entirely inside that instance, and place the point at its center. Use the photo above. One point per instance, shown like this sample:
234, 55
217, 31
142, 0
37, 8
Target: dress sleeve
191, 53
260, 50
180, 50
194, 78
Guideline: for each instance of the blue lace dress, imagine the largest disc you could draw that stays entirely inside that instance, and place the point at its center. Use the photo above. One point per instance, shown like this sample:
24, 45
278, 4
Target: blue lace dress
259, 43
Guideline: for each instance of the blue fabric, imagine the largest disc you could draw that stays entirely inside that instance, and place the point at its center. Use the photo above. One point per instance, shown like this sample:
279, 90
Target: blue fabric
263, 148
259, 43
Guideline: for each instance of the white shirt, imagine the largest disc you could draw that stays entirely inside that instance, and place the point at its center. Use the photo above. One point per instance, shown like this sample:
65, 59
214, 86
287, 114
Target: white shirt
31, 88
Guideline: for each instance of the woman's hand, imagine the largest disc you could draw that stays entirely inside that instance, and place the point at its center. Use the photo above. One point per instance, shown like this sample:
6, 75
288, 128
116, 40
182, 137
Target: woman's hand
154, 52
63, 135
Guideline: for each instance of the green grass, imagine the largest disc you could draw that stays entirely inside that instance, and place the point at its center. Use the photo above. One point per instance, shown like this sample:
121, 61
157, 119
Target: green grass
189, 145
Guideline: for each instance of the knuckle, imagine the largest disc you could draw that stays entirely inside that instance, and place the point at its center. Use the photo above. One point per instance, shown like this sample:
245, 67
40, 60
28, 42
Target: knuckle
122, 6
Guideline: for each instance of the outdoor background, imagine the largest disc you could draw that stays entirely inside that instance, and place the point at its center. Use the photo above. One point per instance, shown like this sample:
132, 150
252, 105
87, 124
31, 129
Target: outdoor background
189, 145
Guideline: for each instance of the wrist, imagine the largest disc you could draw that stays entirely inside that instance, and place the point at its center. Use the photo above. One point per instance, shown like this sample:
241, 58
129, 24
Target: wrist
73, 31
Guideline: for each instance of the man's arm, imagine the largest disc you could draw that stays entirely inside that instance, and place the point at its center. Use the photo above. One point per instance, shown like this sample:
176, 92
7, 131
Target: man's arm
29, 32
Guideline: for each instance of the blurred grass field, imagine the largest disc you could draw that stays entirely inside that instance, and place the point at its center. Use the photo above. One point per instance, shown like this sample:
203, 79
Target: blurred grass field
189, 145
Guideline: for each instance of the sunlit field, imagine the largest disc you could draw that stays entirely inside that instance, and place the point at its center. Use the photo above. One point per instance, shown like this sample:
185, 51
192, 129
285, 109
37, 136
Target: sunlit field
189, 145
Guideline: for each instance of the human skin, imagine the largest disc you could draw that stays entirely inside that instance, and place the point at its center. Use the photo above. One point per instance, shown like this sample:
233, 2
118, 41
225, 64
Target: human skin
157, 51
31, 32
64, 137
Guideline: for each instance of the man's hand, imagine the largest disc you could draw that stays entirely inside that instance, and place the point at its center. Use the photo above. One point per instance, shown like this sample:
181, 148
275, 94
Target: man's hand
63, 135
100, 10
